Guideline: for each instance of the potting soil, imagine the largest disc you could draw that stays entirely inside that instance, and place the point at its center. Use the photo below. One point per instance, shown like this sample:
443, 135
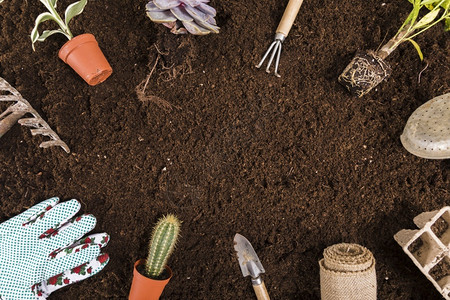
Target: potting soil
295, 164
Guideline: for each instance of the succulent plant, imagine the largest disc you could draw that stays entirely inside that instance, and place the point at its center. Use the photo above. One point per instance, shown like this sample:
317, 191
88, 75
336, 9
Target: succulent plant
182, 16
164, 238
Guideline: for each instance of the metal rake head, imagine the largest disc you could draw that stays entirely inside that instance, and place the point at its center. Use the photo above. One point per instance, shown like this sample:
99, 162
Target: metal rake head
275, 49
17, 111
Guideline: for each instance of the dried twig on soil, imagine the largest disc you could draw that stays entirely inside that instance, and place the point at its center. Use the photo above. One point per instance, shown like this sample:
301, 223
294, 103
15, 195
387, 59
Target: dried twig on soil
140, 91
21, 107
142, 87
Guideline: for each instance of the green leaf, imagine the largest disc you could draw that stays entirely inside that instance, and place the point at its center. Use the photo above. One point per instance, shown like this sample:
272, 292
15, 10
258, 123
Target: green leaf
48, 33
53, 3
447, 24
415, 13
74, 9
446, 4
417, 48
431, 4
40, 19
408, 19
49, 4
427, 19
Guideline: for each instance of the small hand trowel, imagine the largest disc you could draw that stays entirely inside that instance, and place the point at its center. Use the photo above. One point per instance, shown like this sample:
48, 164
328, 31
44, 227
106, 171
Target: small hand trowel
250, 265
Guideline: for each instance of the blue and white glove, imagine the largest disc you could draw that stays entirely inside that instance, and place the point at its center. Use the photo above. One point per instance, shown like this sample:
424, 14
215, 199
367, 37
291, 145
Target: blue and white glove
41, 250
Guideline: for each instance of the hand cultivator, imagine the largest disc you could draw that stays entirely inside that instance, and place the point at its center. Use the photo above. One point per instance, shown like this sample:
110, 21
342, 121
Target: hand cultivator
15, 112
290, 13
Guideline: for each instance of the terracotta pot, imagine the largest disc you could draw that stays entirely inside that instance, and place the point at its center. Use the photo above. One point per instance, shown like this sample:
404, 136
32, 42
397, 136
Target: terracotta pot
144, 288
83, 54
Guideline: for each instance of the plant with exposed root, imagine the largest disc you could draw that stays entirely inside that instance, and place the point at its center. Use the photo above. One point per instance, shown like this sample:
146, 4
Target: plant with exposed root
368, 69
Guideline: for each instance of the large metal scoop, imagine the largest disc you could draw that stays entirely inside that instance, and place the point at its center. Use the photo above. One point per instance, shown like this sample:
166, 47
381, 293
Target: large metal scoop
250, 265
427, 132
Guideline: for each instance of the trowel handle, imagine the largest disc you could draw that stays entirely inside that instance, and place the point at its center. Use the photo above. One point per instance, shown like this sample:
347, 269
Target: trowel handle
290, 13
261, 291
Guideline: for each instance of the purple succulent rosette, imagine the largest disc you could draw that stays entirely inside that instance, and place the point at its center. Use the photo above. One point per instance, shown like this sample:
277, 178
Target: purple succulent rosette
182, 16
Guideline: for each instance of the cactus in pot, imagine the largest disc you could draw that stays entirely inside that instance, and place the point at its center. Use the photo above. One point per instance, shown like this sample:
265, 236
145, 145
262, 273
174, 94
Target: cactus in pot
164, 238
150, 276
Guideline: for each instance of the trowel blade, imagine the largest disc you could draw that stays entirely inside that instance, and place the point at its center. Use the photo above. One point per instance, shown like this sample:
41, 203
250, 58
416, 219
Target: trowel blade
248, 260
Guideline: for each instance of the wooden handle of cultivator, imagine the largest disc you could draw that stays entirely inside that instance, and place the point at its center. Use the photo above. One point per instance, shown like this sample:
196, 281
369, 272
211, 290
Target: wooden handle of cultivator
261, 291
290, 13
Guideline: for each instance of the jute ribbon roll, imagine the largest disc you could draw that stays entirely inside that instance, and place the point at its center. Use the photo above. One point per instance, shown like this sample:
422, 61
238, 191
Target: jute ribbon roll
347, 272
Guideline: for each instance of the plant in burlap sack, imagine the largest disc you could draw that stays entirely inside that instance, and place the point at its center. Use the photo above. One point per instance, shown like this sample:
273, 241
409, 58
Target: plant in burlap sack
347, 272
18, 110
368, 69
182, 16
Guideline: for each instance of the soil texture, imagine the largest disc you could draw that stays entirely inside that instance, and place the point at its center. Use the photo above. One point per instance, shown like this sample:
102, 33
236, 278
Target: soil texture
295, 164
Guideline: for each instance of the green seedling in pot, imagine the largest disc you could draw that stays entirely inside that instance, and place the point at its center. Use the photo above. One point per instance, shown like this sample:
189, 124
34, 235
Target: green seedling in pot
183, 16
368, 69
81, 52
163, 242
72, 10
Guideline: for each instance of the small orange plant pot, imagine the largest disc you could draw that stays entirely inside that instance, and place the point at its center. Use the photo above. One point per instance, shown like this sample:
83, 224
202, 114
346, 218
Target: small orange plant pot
83, 54
144, 288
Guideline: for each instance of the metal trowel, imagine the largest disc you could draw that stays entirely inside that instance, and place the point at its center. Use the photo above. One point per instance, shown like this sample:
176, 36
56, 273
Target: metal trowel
250, 265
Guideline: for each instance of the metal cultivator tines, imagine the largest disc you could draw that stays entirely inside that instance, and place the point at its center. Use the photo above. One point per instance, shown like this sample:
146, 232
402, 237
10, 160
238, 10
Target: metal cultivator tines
20, 108
290, 13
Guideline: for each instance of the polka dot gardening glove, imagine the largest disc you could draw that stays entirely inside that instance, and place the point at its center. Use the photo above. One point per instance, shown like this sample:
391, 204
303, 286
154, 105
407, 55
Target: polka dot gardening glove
41, 250
46, 287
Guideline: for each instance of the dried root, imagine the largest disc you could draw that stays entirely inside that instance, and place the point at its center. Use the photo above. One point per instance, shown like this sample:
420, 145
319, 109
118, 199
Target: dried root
140, 91
143, 97
21, 107
364, 72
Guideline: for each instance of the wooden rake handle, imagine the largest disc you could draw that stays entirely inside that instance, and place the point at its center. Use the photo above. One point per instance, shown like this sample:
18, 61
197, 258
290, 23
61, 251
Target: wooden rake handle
290, 13
261, 291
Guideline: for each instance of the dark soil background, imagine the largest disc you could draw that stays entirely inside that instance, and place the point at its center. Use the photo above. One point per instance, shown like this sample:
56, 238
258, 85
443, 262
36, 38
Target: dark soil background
295, 164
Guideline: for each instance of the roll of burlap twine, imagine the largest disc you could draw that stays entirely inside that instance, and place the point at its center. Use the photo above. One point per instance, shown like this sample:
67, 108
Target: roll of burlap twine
347, 272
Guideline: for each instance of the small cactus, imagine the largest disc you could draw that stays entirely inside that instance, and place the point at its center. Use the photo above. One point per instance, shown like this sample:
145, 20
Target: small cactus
164, 238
